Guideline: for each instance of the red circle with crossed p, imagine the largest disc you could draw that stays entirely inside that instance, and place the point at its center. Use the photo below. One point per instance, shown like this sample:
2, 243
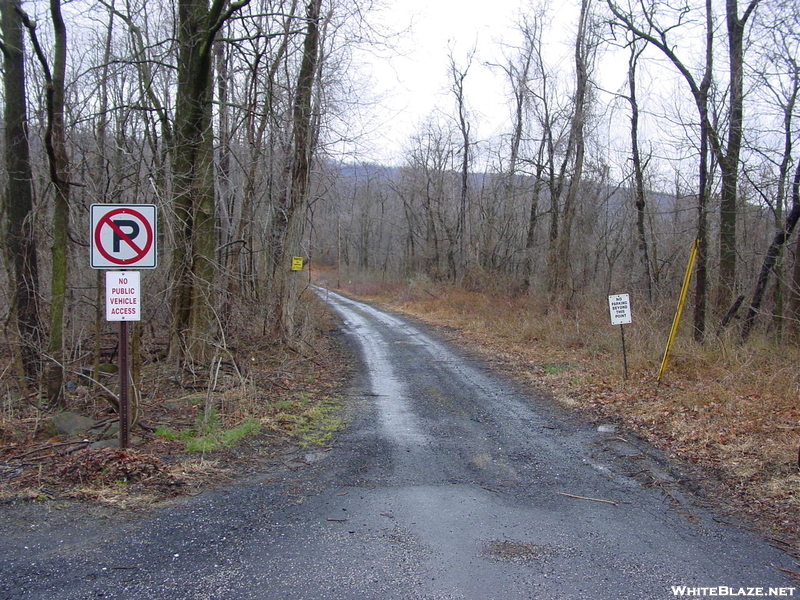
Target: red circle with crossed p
121, 238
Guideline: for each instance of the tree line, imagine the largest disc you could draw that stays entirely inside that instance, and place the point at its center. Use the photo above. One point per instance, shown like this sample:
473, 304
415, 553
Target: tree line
591, 190
210, 109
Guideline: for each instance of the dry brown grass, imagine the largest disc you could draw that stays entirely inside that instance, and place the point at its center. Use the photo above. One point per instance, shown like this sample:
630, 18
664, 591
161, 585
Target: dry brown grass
731, 409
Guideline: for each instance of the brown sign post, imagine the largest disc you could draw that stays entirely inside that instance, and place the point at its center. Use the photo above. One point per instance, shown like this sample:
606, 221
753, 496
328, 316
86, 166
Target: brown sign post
123, 305
124, 404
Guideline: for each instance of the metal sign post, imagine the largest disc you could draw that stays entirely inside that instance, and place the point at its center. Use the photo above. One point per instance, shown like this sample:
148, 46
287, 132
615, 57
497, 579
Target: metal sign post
619, 305
624, 354
124, 404
123, 305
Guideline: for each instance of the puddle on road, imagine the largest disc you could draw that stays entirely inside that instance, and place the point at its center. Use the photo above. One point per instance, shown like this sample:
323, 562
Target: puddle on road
513, 551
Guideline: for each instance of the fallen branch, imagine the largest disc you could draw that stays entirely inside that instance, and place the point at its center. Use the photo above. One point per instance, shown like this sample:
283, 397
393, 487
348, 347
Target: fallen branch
111, 398
794, 574
49, 447
587, 498
675, 501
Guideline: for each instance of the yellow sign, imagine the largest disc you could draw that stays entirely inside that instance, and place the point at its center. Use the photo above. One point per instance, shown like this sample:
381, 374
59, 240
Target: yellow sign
297, 263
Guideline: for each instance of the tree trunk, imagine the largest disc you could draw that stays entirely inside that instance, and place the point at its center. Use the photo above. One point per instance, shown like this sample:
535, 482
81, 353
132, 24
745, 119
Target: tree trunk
463, 126
794, 297
100, 186
638, 175
194, 257
772, 255
576, 146
21, 252
55, 145
701, 268
729, 163
518, 76
783, 177
533, 217
290, 223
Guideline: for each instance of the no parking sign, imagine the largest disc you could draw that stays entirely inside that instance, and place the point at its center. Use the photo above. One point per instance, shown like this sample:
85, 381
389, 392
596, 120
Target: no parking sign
123, 236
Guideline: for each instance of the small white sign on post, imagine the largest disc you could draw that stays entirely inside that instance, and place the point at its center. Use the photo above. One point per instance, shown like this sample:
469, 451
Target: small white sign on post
620, 307
122, 296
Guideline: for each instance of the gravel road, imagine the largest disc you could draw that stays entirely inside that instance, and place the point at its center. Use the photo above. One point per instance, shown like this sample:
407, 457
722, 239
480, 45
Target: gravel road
449, 483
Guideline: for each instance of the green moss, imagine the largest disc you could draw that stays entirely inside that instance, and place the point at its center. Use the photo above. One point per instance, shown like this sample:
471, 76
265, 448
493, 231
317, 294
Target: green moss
173, 434
322, 420
558, 368
207, 435
230, 436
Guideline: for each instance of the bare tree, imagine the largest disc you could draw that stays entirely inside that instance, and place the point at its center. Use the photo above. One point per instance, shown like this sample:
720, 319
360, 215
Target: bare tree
429, 178
518, 70
729, 158
584, 54
777, 86
726, 153
458, 75
194, 257
58, 161
17, 201
772, 255
657, 36
543, 108
290, 222
638, 171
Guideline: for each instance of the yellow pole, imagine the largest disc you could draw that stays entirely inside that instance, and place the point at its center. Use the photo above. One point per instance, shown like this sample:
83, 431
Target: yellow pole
687, 278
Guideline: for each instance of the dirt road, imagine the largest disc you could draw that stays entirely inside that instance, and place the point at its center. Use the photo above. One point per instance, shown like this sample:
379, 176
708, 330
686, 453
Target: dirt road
449, 483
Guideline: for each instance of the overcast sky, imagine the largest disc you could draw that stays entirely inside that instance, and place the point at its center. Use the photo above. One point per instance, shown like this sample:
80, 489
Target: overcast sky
413, 81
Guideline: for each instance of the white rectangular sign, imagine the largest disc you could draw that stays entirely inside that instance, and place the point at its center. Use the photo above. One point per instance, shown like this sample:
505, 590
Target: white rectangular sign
122, 296
620, 307
123, 236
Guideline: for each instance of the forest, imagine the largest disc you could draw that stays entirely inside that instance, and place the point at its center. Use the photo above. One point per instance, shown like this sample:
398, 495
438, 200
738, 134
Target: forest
227, 115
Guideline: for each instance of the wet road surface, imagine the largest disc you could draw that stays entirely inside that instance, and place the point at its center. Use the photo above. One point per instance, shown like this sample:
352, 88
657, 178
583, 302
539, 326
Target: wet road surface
449, 483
